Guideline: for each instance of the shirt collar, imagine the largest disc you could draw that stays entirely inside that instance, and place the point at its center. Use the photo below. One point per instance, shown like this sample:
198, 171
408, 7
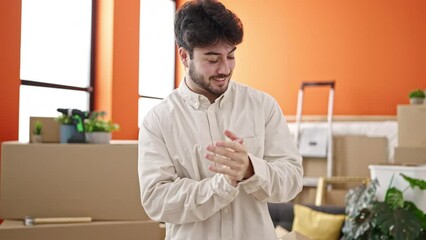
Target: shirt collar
195, 99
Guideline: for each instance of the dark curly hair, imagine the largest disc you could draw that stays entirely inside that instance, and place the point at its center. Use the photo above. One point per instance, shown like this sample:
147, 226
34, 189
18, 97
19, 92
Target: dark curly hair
202, 23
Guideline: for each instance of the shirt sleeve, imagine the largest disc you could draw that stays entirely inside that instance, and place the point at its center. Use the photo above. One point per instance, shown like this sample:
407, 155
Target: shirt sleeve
278, 176
165, 196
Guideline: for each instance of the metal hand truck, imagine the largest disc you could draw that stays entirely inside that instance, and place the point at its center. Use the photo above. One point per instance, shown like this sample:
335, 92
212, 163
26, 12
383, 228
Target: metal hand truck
329, 150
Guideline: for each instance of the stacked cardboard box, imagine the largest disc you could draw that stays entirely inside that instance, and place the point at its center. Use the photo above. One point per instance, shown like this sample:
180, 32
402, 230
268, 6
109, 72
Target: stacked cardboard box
73, 180
411, 148
352, 154
105, 230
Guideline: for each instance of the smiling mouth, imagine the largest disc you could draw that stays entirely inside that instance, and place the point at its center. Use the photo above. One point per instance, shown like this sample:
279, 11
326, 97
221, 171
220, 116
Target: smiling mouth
220, 78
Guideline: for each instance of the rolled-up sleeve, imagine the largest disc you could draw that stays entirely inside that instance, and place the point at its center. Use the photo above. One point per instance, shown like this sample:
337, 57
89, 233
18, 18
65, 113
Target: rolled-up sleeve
279, 173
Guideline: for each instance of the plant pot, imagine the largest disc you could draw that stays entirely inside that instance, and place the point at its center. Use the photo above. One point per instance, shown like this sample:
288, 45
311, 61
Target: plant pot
66, 132
416, 100
37, 138
98, 137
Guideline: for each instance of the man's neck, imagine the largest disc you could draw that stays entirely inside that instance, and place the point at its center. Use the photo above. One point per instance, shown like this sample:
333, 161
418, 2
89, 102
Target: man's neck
196, 89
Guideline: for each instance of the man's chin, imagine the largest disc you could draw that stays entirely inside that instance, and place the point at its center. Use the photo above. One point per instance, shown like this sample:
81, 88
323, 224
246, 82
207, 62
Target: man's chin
219, 90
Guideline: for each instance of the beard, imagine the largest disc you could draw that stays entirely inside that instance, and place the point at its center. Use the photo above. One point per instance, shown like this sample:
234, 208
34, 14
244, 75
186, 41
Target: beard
206, 85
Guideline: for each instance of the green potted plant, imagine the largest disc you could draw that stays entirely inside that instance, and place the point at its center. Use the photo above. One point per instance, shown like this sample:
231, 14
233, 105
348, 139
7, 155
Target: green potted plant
393, 218
37, 132
98, 130
67, 128
417, 96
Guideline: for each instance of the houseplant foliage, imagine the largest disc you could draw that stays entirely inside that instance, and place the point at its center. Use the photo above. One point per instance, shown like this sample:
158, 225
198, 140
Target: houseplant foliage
67, 128
418, 93
417, 96
96, 123
394, 218
64, 119
38, 127
37, 132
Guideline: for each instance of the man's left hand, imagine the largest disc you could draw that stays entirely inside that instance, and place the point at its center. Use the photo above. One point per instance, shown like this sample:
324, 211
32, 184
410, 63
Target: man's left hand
231, 157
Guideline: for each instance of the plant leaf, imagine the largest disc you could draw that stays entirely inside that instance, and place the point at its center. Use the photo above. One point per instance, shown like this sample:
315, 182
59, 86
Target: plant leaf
399, 223
358, 199
394, 198
410, 206
415, 182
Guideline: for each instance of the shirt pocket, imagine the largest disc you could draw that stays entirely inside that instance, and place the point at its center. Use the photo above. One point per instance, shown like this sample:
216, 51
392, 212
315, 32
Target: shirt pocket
255, 145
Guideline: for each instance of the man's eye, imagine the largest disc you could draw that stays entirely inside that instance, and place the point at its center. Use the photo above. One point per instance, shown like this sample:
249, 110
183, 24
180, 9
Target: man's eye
231, 57
212, 61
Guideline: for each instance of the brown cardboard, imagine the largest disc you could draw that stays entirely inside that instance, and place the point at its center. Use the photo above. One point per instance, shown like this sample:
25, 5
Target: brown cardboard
105, 230
70, 180
411, 125
314, 167
410, 155
293, 235
333, 197
50, 130
306, 196
351, 156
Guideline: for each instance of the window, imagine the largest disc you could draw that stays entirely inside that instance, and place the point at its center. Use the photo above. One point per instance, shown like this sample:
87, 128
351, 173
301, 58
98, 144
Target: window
156, 53
56, 42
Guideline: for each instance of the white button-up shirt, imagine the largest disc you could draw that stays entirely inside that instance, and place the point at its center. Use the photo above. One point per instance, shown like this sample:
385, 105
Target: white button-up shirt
176, 186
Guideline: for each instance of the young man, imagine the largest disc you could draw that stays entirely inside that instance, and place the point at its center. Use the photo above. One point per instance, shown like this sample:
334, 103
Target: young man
214, 152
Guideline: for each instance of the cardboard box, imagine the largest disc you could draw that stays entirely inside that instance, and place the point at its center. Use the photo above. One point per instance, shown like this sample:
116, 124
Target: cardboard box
306, 196
351, 156
314, 167
410, 155
50, 130
106, 230
333, 197
70, 180
411, 125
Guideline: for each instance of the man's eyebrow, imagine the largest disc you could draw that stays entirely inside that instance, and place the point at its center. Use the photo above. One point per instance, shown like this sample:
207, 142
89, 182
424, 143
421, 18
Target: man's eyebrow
216, 54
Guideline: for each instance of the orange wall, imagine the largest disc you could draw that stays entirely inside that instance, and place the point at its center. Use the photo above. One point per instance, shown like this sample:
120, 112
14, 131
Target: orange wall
104, 55
10, 34
375, 50
126, 68
116, 70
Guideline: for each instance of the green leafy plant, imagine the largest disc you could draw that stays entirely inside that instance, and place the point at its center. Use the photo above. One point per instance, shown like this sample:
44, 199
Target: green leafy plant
64, 119
418, 93
38, 128
96, 123
394, 218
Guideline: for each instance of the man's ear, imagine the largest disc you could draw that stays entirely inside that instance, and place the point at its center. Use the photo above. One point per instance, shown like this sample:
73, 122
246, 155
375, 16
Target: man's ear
184, 56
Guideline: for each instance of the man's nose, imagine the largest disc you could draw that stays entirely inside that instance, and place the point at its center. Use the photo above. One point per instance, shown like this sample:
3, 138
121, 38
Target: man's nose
224, 67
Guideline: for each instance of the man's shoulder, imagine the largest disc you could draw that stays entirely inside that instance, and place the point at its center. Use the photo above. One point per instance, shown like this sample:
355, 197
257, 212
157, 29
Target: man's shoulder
165, 105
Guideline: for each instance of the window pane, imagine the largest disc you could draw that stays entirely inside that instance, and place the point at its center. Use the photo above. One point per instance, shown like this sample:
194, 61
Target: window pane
43, 102
56, 40
156, 48
145, 105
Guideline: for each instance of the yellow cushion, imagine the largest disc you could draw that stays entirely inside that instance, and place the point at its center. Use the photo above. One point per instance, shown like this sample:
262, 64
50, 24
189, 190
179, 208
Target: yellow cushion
317, 225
